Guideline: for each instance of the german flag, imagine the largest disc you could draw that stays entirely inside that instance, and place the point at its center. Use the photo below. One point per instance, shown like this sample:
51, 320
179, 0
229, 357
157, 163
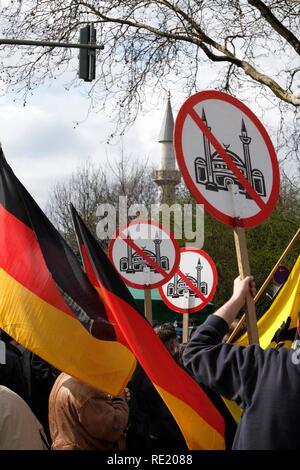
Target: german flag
199, 421
47, 302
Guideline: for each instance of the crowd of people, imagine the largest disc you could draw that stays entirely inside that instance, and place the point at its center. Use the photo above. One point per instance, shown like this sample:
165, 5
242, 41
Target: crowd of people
42, 408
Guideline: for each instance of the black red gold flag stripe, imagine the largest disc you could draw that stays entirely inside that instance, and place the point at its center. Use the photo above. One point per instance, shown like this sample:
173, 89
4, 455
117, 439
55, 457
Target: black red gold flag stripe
200, 422
47, 302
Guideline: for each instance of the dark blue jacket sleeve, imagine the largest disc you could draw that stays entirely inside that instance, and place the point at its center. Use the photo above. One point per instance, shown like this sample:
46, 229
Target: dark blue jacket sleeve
228, 369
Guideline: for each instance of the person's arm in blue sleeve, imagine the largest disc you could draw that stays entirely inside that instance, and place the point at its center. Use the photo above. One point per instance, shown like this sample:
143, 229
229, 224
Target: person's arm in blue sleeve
228, 369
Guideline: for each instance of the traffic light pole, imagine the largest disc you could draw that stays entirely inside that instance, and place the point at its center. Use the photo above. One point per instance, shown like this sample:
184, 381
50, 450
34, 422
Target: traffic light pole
24, 42
87, 46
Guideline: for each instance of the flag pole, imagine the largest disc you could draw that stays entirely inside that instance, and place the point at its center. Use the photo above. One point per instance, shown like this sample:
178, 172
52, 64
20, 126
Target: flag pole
265, 284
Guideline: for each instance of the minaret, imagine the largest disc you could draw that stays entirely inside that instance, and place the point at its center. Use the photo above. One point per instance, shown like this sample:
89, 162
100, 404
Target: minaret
211, 185
246, 141
199, 268
157, 241
167, 177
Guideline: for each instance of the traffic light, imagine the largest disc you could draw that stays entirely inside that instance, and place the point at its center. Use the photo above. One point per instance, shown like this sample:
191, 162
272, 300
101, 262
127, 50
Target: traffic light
87, 57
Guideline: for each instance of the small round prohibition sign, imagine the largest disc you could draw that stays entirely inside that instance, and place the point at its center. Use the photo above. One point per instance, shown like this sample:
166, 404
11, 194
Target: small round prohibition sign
193, 284
145, 254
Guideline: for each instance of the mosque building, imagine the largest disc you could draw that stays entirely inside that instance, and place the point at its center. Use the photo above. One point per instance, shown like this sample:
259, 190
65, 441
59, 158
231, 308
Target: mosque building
213, 172
134, 262
179, 286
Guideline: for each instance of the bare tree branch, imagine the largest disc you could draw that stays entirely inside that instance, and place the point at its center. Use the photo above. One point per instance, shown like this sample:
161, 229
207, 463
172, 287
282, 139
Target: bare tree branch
90, 185
150, 44
276, 24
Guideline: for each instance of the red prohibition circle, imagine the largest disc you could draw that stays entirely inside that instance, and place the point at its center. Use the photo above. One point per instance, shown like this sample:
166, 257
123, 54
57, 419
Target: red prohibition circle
210, 295
178, 130
172, 238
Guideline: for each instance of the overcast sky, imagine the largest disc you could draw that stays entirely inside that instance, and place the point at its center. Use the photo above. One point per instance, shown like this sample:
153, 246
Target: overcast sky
43, 144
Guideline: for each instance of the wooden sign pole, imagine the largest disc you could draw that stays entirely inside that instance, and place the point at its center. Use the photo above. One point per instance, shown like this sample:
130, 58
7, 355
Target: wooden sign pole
244, 266
147, 295
185, 319
148, 305
185, 327
266, 283
244, 270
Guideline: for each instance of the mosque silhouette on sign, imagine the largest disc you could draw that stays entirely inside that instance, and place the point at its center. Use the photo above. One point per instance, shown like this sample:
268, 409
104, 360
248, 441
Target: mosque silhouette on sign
213, 172
134, 262
179, 286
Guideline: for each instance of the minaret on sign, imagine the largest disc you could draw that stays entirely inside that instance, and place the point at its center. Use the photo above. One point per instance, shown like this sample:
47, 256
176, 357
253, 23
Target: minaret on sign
167, 177
129, 256
245, 139
199, 268
211, 184
157, 242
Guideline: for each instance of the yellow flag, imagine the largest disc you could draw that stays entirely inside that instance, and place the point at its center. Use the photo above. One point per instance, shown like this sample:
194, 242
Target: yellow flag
286, 304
